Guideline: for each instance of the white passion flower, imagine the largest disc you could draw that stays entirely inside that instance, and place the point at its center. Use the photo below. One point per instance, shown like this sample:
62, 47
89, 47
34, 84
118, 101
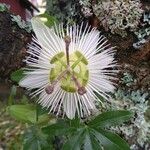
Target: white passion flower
67, 67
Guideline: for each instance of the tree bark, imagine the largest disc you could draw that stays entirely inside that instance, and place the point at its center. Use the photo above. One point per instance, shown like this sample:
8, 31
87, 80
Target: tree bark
13, 42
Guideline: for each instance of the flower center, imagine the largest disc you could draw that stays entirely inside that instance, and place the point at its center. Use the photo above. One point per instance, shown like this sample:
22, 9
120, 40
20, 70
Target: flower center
77, 75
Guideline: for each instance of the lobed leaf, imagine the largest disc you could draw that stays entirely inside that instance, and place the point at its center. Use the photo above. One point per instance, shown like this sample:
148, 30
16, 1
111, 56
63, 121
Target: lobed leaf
34, 139
75, 142
57, 129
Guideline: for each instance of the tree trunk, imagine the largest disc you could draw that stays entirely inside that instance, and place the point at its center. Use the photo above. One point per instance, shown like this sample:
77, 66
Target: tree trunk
13, 42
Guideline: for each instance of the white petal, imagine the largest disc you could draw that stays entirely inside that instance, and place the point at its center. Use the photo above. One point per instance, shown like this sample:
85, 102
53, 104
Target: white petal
69, 105
49, 41
35, 79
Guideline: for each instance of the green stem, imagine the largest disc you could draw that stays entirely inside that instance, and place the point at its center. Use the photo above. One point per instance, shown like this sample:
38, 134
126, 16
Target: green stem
37, 117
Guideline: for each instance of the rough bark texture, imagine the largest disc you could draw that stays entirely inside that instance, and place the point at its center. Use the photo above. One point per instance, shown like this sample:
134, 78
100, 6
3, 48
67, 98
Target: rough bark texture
126, 53
13, 41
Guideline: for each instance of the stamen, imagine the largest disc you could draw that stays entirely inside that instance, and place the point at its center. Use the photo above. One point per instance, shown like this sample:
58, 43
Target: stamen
67, 40
71, 74
50, 88
81, 89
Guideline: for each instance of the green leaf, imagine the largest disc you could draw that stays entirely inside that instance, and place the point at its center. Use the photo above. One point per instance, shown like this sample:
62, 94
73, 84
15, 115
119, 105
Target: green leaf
24, 100
27, 114
47, 19
59, 128
34, 139
85, 137
82, 139
74, 122
111, 118
110, 141
44, 119
75, 141
12, 95
41, 110
90, 143
17, 75
24, 113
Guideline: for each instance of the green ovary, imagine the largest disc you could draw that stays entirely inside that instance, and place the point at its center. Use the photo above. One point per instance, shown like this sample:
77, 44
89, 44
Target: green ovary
79, 69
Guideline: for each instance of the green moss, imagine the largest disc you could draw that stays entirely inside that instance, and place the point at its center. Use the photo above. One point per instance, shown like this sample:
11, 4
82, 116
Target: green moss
3, 7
